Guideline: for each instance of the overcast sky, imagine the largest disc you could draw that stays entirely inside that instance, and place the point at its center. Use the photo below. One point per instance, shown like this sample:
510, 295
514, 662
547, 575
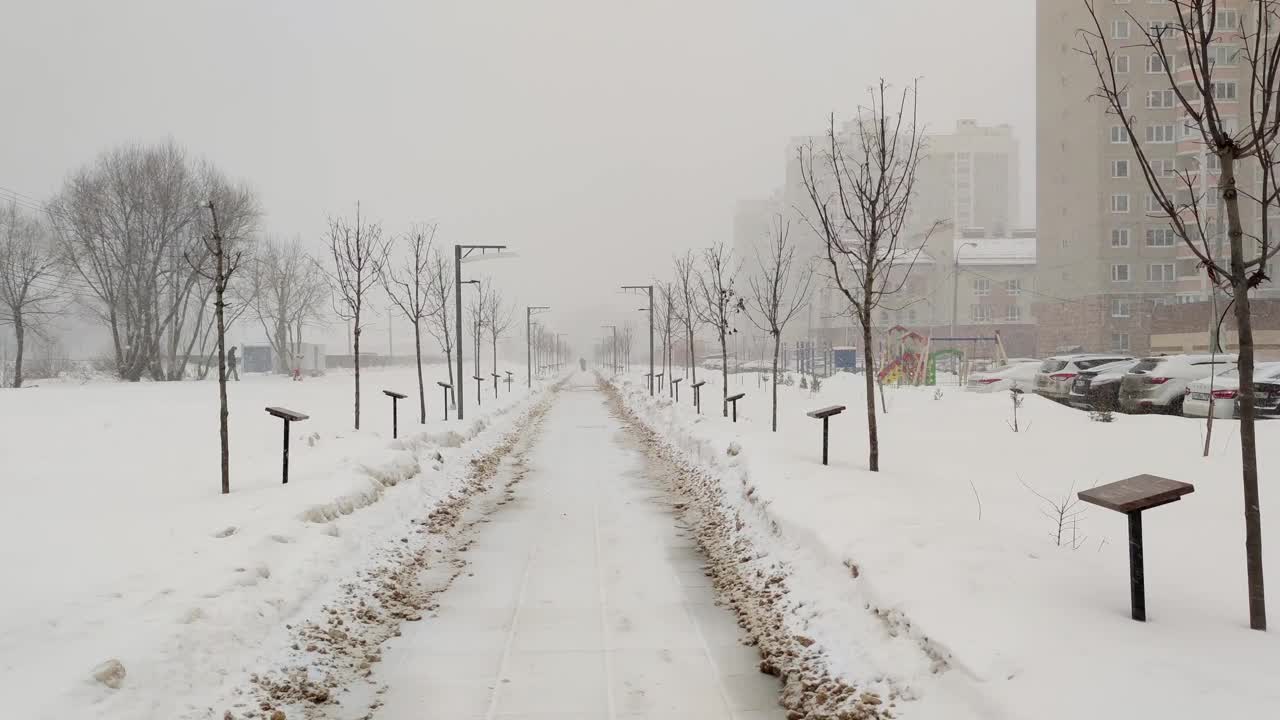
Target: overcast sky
597, 137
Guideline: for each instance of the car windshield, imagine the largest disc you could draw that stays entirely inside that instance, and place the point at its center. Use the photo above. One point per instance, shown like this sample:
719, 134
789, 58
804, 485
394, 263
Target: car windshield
1052, 365
1095, 363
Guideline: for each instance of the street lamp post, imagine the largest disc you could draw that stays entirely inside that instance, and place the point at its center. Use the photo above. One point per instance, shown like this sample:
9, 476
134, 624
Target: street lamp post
529, 312
460, 253
648, 289
955, 285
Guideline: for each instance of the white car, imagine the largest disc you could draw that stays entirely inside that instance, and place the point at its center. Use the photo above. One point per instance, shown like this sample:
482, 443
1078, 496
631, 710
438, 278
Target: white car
1056, 374
1225, 388
1018, 374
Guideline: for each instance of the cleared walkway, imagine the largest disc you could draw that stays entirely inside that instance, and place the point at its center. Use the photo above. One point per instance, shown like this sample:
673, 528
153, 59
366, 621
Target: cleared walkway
584, 601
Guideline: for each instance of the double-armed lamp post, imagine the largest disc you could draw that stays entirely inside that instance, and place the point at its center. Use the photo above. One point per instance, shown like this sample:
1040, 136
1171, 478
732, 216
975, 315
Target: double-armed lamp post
648, 289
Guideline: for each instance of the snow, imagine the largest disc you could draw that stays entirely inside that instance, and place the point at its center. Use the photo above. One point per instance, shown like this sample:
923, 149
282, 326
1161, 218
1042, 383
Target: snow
1018, 626
115, 543
581, 599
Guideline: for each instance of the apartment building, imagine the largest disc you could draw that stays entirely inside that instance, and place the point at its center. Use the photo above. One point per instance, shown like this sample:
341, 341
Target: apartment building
968, 178
1108, 255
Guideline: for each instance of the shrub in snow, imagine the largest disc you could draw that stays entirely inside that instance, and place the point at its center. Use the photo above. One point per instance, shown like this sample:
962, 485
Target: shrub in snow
788, 380
804, 383
1103, 415
937, 394
817, 384
733, 449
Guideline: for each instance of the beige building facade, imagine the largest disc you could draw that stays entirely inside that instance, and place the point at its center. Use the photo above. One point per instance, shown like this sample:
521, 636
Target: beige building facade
1108, 257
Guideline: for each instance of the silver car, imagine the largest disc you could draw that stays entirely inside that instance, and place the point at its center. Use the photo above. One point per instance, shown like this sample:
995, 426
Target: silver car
1159, 384
1056, 374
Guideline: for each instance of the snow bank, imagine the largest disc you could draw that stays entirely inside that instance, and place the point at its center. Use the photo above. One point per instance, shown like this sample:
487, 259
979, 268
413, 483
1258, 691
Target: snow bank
116, 544
939, 576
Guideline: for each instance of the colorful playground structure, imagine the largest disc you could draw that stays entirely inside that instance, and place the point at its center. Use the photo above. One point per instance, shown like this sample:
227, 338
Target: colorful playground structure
909, 360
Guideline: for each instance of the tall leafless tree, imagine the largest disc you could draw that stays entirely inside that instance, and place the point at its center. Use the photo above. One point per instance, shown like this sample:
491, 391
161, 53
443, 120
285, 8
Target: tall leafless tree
718, 303
286, 291
409, 288
131, 227
359, 254
778, 293
860, 184
686, 293
664, 321
31, 278
1187, 51
440, 315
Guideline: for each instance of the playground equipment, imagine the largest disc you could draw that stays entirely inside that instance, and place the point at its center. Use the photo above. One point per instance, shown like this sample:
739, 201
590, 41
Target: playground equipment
910, 361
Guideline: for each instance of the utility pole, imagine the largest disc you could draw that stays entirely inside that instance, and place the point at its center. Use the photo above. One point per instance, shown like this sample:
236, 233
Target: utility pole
529, 312
649, 290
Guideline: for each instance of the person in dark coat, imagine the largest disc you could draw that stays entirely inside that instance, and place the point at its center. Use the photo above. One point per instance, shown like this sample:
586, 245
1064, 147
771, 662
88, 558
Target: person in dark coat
233, 364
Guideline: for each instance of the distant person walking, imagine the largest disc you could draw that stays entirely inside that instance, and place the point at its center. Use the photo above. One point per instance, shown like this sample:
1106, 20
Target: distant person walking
233, 364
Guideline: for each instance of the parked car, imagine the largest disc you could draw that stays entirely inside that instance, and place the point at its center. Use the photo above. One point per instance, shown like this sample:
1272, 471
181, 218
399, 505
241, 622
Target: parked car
1018, 374
1159, 384
1224, 389
1099, 387
1054, 378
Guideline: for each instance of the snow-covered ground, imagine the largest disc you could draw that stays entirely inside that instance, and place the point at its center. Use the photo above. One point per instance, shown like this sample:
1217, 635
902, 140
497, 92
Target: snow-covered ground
939, 577
115, 542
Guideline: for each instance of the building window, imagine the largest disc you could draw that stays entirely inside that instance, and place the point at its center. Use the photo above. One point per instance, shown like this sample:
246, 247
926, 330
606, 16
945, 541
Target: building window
1213, 162
1013, 287
1163, 133
1119, 307
1160, 99
1120, 272
1120, 29
981, 287
1157, 27
980, 313
1224, 90
1160, 237
1119, 168
1225, 55
1162, 167
1121, 63
1123, 97
1161, 273
1226, 20
1155, 64
1153, 204
1120, 342
1119, 135
1119, 237
1120, 203
1013, 313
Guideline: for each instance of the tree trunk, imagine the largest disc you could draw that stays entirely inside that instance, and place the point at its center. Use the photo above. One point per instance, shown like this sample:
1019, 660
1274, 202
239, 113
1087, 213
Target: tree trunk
1248, 437
724, 373
417, 351
448, 358
222, 374
777, 350
19, 332
356, 360
693, 361
873, 438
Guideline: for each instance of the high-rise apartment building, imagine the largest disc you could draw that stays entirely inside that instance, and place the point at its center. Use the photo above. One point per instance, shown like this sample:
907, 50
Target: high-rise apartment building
969, 179
1107, 253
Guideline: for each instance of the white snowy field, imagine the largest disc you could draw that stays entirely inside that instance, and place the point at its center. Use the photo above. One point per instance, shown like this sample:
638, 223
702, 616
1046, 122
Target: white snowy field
898, 568
115, 542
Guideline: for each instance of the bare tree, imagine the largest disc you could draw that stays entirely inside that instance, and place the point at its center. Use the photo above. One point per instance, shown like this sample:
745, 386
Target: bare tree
285, 290
225, 263
359, 255
439, 317
131, 228
665, 321
1187, 51
686, 292
501, 317
778, 293
409, 288
31, 278
860, 185
717, 305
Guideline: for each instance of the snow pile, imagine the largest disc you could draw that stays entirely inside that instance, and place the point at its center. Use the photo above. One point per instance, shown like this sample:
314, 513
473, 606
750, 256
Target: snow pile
117, 546
941, 581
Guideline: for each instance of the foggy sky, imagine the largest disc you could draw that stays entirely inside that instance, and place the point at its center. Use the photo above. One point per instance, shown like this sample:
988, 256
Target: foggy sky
596, 137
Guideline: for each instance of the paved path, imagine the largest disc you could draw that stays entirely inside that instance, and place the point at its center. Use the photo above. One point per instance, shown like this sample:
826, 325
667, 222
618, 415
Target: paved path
585, 602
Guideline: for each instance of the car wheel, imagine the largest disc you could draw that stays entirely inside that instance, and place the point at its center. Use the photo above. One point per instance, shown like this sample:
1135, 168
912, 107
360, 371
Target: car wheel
1175, 407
